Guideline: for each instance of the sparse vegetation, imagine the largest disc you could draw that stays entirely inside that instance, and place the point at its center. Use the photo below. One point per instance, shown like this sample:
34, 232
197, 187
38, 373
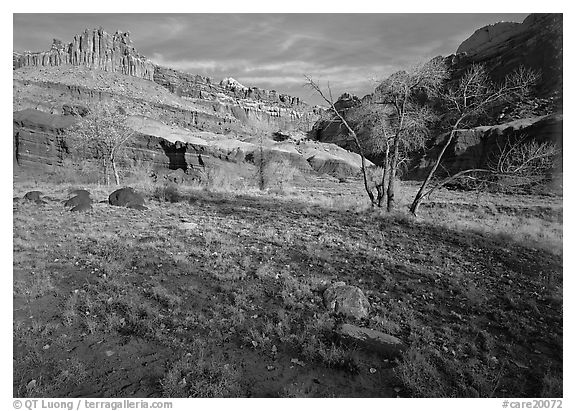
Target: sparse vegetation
102, 135
239, 288
468, 102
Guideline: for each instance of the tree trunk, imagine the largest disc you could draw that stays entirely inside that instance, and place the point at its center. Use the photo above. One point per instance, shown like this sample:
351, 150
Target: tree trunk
385, 176
115, 170
261, 179
106, 174
392, 180
420, 195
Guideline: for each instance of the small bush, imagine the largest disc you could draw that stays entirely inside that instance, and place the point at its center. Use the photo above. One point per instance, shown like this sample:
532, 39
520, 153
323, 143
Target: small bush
71, 172
168, 193
201, 376
221, 179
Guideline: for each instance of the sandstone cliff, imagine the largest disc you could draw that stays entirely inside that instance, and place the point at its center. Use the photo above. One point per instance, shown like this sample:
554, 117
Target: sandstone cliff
195, 101
502, 47
94, 48
535, 43
40, 140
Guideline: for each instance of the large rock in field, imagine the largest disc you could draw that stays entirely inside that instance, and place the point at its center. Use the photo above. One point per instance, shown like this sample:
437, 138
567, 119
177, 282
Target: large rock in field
126, 197
82, 207
77, 200
80, 192
35, 196
346, 299
371, 340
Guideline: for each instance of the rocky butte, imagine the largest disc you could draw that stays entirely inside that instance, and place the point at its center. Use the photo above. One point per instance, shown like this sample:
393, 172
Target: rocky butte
179, 118
96, 49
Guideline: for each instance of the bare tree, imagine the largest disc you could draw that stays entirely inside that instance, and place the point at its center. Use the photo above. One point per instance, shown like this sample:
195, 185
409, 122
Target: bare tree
102, 135
330, 100
516, 159
375, 119
406, 93
469, 100
523, 157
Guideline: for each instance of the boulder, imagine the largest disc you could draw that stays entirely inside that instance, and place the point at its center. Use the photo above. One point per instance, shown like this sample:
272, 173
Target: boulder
33, 196
82, 207
371, 340
126, 197
78, 200
346, 299
80, 192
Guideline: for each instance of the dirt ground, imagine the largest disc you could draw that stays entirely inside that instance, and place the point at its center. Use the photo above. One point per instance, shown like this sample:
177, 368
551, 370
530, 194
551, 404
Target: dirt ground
221, 295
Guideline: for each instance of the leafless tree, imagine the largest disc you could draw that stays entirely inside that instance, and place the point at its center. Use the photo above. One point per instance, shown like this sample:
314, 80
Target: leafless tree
405, 93
523, 157
330, 100
467, 101
102, 135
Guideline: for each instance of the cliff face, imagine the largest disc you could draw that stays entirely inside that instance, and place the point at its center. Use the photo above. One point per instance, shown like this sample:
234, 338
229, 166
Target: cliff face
38, 138
193, 101
476, 147
94, 48
261, 109
196, 86
535, 43
40, 141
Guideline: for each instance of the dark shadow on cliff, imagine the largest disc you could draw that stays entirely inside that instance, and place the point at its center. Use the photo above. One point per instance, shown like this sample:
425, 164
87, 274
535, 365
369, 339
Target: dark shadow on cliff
176, 153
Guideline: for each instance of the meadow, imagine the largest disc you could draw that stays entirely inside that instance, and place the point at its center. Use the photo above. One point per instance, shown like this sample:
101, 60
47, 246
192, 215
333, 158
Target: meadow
217, 292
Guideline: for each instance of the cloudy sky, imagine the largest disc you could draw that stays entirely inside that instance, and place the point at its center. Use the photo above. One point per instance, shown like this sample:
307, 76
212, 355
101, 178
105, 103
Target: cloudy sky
274, 51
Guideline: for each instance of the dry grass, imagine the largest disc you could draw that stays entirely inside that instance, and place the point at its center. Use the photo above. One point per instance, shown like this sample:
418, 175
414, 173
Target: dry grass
235, 280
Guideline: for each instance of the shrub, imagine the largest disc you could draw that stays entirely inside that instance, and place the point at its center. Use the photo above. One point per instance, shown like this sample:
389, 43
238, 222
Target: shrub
167, 192
200, 375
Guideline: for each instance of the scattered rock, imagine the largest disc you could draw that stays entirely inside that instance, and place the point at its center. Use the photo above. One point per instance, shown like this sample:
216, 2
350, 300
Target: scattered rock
346, 299
371, 340
126, 197
298, 362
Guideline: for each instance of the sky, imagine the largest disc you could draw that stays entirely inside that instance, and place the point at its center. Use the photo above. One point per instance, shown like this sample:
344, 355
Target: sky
274, 51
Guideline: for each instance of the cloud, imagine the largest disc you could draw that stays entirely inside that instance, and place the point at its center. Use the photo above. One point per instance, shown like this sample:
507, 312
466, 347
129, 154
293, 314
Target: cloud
202, 65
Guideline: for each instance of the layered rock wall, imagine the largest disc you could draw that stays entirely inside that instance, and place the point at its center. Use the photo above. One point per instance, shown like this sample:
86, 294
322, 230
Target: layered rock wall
95, 49
259, 109
535, 43
478, 147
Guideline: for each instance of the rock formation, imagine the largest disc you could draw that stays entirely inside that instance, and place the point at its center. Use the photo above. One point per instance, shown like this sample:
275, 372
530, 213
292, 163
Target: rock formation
192, 101
261, 109
95, 49
38, 138
535, 43
477, 147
